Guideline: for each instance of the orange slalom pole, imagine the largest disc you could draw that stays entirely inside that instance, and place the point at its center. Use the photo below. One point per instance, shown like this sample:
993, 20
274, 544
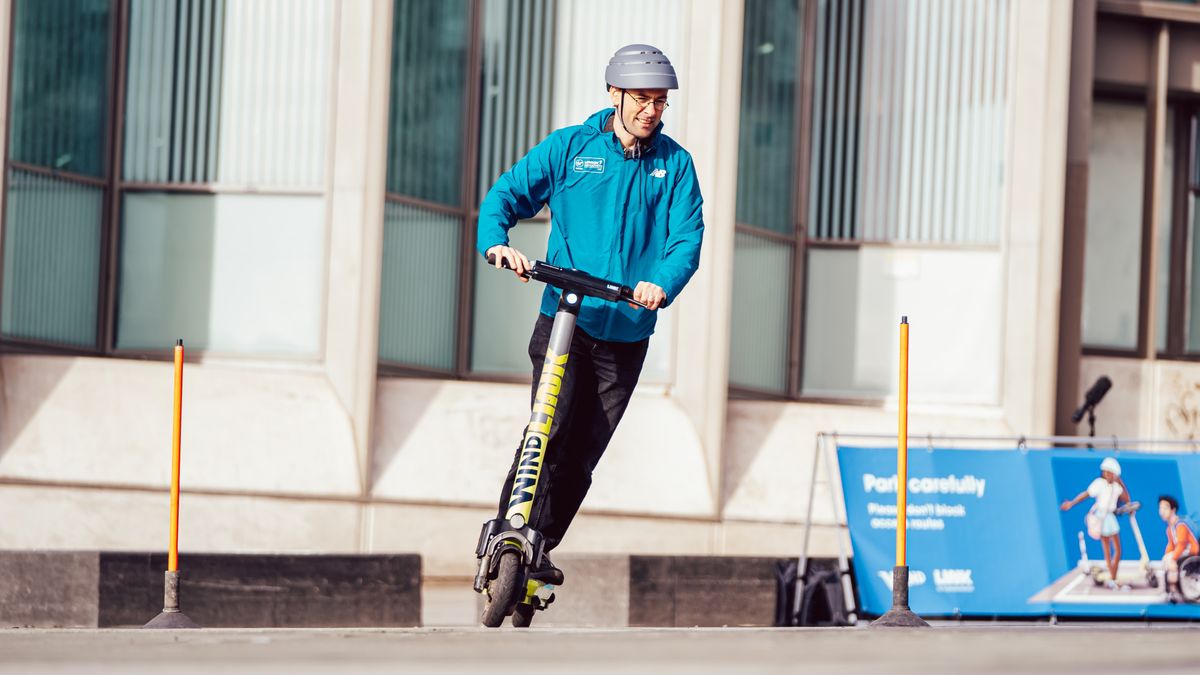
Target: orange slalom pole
171, 616
902, 453
173, 554
900, 615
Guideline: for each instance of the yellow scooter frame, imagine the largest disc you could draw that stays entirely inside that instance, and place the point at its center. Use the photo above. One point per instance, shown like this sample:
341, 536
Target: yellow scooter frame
508, 584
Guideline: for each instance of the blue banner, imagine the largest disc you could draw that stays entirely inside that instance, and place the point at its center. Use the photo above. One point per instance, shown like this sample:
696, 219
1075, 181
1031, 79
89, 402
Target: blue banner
987, 535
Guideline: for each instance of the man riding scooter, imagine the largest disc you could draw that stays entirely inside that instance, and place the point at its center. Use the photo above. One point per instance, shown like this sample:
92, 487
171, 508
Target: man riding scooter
625, 205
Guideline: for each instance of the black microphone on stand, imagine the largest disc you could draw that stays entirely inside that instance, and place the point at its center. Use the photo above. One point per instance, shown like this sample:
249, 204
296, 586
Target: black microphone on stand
1090, 401
1093, 397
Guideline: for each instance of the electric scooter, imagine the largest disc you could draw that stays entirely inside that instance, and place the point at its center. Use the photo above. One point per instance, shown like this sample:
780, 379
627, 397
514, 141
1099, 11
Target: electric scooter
509, 550
1144, 576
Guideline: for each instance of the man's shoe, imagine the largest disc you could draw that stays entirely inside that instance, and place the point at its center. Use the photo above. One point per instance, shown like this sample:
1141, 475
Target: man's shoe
547, 573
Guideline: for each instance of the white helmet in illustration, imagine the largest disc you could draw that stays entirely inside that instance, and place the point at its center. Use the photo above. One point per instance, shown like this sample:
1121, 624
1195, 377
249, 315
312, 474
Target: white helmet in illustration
1111, 465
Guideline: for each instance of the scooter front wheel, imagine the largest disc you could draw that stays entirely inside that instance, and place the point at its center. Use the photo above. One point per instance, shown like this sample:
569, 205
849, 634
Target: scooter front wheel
504, 591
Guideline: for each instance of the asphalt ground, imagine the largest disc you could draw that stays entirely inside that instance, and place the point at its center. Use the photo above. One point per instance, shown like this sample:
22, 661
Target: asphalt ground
1107, 648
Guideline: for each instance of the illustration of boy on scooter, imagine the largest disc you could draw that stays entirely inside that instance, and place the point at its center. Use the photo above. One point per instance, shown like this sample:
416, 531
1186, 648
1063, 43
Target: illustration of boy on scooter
1108, 491
1181, 544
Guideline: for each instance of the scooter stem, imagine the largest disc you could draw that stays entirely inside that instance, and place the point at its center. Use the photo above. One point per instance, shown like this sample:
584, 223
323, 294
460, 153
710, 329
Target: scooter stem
1137, 535
545, 404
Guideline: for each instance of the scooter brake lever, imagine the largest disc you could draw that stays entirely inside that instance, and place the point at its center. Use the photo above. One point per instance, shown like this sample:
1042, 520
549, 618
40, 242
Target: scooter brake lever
627, 296
491, 260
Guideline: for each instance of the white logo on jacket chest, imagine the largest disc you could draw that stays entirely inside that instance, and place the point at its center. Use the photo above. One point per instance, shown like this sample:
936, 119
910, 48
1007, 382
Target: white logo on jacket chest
589, 164
659, 173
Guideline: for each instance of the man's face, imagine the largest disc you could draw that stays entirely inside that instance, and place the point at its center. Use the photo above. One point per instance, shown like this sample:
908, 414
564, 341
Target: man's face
1164, 510
1108, 476
642, 109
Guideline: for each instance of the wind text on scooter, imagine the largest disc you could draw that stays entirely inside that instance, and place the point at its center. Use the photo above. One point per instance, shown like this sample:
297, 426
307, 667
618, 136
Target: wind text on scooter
537, 434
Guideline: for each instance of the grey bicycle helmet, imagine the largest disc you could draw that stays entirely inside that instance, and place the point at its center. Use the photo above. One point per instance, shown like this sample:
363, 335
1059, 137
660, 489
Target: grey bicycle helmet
640, 67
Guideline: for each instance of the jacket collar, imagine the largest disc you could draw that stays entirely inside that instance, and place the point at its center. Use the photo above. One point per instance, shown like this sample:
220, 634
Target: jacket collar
602, 122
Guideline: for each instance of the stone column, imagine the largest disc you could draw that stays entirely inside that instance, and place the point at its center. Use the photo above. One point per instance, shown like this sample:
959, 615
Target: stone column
702, 334
356, 176
1040, 53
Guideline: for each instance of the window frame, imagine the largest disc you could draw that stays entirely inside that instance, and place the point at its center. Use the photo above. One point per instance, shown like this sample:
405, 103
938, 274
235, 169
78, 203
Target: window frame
467, 211
1127, 96
11, 344
1183, 186
798, 238
1165, 17
803, 241
115, 187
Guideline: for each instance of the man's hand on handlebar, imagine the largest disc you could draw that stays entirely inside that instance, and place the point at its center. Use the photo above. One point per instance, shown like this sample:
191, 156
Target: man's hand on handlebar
649, 295
645, 296
516, 260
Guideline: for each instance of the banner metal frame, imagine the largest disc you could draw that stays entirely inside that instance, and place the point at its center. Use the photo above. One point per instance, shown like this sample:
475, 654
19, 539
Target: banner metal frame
827, 440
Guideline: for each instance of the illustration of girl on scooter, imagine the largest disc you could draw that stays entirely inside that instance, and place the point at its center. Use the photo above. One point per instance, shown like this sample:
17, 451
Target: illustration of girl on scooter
1109, 491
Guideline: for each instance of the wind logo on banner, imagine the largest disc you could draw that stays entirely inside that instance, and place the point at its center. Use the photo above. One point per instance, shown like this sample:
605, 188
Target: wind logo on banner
915, 578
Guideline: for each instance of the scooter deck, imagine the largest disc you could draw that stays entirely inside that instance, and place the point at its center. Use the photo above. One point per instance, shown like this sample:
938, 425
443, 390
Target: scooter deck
1077, 587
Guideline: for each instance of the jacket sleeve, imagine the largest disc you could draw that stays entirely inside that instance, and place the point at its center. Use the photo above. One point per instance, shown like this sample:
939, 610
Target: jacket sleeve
517, 195
685, 230
1177, 545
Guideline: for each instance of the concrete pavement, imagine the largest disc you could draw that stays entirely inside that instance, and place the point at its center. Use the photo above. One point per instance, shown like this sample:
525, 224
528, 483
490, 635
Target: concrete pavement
976, 648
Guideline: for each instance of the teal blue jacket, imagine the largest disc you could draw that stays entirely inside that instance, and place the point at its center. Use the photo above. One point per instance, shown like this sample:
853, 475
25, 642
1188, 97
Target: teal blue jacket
625, 220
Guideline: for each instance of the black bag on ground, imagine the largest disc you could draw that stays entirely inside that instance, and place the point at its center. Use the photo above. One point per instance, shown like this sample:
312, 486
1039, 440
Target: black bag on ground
785, 592
822, 602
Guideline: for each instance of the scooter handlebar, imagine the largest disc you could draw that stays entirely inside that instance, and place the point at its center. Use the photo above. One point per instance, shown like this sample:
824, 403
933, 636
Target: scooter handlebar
491, 260
573, 280
1128, 508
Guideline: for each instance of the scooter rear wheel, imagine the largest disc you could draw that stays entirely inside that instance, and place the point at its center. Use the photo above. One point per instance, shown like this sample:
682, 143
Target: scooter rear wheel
504, 591
523, 615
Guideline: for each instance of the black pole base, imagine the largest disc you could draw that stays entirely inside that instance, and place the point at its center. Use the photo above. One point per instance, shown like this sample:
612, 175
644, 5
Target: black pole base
171, 617
899, 616
171, 620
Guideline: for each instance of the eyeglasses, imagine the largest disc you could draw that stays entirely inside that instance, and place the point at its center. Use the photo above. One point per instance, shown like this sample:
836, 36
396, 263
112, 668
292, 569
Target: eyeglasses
641, 103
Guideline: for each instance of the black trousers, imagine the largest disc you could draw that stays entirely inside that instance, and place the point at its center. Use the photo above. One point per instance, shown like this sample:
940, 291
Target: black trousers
598, 382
